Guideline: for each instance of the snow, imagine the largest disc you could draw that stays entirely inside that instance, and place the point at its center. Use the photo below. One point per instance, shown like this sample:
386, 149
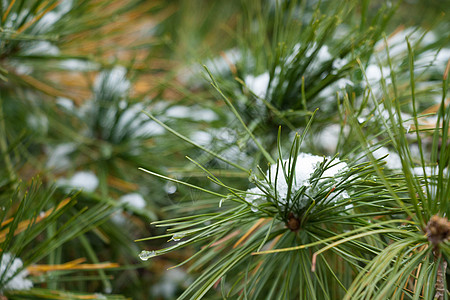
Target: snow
259, 84
84, 180
9, 267
392, 160
133, 200
114, 81
178, 111
206, 115
303, 170
50, 18
149, 128
58, 156
195, 113
419, 171
47, 21
38, 122
78, 65
329, 92
374, 73
323, 54
253, 197
220, 65
133, 121
201, 137
339, 63
65, 103
328, 138
438, 60
22, 69
293, 54
41, 48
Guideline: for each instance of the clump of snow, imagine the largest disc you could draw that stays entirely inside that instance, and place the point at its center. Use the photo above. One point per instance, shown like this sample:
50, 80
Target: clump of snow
133, 122
15, 280
221, 64
23, 69
84, 180
49, 19
112, 81
58, 156
253, 197
436, 59
65, 103
303, 177
178, 111
78, 65
194, 113
339, 63
392, 159
397, 43
148, 128
331, 90
259, 84
38, 122
133, 200
374, 73
328, 138
206, 115
201, 137
38, 48
323, 54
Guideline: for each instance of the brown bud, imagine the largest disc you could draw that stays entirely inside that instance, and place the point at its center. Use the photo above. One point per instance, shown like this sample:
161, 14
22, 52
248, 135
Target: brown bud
293, 223
438, 230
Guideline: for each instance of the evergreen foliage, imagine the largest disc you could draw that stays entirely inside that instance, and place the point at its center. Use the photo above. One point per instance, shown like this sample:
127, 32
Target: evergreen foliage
260, 149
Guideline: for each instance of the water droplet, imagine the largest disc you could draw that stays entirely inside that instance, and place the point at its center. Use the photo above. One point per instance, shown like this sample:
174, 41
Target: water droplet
145, 255
178, 236
254, 209
220, 203
170, 188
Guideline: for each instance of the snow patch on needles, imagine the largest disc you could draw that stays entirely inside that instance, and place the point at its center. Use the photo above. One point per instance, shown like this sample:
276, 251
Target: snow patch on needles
304, 176
15, 280
195, 113
58, 157
259, 84
133, 200
84, 180
112, 81
392, 159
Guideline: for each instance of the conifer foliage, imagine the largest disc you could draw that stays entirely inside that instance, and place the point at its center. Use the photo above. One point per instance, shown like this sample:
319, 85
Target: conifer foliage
260, 149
